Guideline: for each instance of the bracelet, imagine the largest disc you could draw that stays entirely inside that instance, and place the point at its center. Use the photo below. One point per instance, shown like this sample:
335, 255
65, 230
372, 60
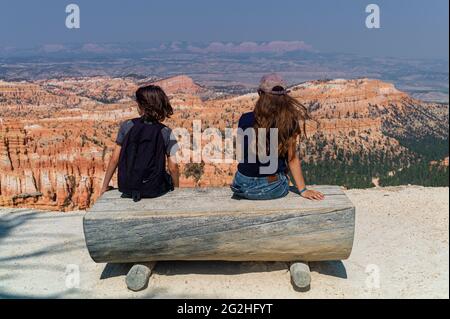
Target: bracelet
302, 191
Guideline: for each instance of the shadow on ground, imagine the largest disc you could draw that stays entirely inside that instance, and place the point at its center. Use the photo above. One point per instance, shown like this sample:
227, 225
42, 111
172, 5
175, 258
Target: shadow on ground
30, 246
329, 268
174, 268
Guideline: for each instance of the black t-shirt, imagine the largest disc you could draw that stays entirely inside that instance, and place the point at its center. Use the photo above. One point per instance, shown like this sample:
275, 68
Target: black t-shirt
246, 168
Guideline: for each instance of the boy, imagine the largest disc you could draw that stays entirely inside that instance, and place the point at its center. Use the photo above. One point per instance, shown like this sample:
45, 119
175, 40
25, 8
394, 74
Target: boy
143, 146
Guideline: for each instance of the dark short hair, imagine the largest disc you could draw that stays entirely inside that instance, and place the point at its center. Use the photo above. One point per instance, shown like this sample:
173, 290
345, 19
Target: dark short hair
154, 103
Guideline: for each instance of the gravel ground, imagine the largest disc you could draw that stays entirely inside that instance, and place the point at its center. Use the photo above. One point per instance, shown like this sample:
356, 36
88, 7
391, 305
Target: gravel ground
401, 250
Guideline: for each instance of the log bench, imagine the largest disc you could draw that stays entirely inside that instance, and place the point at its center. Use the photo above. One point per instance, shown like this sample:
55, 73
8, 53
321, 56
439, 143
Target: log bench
209, 224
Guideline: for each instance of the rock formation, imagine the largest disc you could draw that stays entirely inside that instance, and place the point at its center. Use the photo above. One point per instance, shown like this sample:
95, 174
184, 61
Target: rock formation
56, 136
178, 84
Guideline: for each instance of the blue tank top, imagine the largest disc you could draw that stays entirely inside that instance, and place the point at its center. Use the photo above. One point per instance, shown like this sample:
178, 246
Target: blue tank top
246, 121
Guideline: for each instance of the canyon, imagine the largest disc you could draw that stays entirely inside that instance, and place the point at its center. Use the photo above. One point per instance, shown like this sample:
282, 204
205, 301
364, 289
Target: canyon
56, 135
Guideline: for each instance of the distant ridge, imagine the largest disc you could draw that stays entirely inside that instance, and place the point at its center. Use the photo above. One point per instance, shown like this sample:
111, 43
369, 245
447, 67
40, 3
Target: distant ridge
178, 84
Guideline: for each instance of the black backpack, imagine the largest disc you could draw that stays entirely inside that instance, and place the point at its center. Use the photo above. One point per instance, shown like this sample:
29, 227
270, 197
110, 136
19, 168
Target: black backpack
142, 162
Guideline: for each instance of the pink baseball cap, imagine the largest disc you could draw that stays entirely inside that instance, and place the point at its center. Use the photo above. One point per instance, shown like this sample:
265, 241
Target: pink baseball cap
274, 84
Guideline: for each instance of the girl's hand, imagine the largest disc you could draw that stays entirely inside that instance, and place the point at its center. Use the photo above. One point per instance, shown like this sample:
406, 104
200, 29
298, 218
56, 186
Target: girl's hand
312, 195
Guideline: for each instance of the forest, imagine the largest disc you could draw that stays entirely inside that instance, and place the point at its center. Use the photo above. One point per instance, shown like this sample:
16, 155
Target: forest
421, 164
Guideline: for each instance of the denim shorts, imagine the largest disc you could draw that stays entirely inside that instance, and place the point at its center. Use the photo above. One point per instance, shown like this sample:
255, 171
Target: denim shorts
259, 188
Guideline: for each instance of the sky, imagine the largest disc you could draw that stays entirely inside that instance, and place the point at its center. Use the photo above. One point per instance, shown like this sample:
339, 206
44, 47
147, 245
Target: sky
409, 28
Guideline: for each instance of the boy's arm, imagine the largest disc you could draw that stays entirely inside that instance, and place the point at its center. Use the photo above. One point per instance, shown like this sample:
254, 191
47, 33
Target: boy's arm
112, 165
295, 167
174, 170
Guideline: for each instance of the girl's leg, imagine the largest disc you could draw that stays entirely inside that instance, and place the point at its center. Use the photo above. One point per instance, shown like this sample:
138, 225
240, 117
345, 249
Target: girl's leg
242, 185
267, 191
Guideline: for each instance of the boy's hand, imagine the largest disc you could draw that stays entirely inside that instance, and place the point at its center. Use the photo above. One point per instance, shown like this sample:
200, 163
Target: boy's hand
312, 195
105, 189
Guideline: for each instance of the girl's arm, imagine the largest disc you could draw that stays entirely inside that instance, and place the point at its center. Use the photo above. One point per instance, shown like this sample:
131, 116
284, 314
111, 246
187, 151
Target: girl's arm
174, 170
112, 165
295, 167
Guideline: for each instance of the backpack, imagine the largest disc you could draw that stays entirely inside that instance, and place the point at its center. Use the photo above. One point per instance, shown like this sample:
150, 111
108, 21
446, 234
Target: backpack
142, 162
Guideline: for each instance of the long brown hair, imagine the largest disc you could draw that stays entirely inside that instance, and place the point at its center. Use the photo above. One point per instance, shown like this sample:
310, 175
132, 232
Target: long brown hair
284, 113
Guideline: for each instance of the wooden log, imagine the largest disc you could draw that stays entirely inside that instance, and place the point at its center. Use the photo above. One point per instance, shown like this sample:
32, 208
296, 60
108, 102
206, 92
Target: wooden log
208, 224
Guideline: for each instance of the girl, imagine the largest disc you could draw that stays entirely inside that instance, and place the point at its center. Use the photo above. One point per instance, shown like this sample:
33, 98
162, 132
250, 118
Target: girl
143, 146
274, 109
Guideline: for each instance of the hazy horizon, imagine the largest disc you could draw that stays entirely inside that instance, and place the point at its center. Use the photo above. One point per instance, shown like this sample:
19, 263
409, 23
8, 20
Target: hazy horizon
130, 49
409, 29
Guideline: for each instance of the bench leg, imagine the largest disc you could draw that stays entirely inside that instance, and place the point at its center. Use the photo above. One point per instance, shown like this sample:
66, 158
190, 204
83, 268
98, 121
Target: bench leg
139, 275
300, 275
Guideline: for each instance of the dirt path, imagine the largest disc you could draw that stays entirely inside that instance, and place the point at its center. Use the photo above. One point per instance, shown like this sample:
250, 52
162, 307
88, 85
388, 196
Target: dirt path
401, 250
